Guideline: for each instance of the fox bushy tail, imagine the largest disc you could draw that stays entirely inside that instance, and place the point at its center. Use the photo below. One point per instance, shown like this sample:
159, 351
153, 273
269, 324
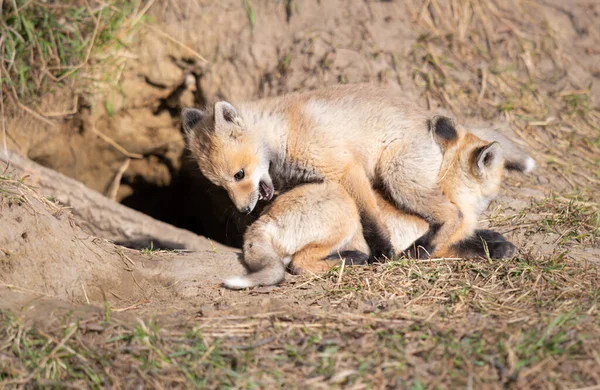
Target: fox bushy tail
515, 158
269, 275
265, 265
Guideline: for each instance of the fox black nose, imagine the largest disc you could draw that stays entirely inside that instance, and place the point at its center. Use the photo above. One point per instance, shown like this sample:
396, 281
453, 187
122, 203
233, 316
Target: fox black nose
246, 210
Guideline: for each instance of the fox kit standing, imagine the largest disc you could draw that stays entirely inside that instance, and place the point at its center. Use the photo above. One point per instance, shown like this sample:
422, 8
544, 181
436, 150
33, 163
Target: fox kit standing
357, 135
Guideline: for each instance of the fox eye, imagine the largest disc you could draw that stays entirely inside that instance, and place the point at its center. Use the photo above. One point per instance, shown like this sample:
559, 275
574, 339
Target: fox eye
240, 175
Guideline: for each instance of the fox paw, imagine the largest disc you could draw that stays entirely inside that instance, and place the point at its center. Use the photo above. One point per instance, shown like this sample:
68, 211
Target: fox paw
378, 241
498, 247
381, 252
485, 243
351, 257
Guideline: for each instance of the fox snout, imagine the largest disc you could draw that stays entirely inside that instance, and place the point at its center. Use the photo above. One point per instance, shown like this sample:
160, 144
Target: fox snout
245, 210
265, 191
245, 205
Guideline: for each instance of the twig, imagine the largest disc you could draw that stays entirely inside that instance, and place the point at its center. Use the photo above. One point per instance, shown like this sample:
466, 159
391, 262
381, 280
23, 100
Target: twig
64, 113
34, 113
542, 123
439, 259
577, 202
212, 245
595, 387
12, 286
135, 305
114, 186
574, 92
85, 294
175, 41
339, 281
142, 12
2, 103
112, 142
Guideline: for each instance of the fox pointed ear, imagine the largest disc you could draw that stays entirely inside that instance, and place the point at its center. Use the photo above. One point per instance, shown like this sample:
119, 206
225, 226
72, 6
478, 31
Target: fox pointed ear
226, 114
189, 118
443, 130
487, 158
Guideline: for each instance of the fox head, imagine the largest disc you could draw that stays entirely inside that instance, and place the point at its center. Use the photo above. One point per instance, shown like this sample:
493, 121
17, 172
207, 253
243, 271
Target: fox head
228, 154
472, 168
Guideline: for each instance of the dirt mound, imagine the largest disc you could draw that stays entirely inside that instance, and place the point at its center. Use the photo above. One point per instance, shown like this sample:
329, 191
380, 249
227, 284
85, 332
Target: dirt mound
43, 251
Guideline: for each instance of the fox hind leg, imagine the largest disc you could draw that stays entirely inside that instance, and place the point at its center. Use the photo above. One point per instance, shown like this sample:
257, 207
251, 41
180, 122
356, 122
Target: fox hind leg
310, 259
352, 257
356, 252
445, 225
356, 182
322, 256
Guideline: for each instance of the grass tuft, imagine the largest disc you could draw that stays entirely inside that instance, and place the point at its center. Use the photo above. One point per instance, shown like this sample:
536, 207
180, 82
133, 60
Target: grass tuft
69, 44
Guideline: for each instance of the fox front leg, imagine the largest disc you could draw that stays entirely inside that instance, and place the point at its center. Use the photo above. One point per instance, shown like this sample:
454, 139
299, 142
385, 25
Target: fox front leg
446, 226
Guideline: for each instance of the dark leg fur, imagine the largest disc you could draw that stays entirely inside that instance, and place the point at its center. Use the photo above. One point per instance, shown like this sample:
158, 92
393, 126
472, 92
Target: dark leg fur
352, 257
379, 243
423, 248
498, 246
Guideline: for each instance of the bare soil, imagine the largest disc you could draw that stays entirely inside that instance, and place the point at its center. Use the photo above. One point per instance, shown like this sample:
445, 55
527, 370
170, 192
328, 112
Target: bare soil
78, 309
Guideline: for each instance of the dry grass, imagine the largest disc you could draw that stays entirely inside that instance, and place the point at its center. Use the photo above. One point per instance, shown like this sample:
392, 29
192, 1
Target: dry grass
571, 222
488, 58
15, 190
527, 322
77, 46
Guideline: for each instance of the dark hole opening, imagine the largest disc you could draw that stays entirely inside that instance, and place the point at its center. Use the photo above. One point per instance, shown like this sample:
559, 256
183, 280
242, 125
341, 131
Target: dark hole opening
189, 202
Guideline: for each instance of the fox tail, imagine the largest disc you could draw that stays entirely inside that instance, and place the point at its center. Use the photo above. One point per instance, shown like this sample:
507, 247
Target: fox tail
515, 158
272, 273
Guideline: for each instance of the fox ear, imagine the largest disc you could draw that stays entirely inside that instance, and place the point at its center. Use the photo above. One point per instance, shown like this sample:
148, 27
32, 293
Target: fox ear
226, 114
443, 130
488, 157
189, 118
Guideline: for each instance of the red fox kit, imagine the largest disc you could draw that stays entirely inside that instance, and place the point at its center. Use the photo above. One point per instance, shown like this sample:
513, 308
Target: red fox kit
356, 135
304, 226
314, 225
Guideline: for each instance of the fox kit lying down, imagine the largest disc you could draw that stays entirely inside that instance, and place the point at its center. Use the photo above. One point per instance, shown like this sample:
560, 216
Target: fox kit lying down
303, 226
357, 135
314, 225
